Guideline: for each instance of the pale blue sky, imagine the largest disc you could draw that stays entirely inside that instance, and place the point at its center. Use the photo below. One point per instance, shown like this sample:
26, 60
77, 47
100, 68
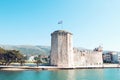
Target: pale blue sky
92, 22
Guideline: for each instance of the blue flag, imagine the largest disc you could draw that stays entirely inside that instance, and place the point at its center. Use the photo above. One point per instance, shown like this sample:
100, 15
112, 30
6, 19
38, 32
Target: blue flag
60, 22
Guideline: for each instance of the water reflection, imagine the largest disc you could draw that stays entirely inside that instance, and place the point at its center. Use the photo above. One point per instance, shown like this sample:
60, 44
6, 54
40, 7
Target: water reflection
78, 74
62, 75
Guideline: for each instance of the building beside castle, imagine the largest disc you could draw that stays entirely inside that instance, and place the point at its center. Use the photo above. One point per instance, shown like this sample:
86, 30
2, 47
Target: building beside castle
111, 57
64, 55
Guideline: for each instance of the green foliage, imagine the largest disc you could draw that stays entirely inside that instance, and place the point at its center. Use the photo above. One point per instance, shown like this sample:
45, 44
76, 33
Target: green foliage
41, 59
8, 56
38, 60
2, 51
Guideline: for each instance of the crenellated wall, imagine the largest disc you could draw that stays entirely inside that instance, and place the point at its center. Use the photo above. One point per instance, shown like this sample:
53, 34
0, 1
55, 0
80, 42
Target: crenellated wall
64, 55
87, 58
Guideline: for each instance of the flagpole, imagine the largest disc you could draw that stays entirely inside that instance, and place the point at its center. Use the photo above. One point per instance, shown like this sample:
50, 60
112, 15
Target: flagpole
62, 26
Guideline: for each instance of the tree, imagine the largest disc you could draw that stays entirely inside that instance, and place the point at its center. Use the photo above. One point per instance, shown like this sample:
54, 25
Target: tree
12, 56
2, 53
19, 57
8, 56
38, 60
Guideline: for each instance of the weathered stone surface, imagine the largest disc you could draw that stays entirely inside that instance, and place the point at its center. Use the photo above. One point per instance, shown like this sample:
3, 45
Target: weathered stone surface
88, 58
63, 54
61, 48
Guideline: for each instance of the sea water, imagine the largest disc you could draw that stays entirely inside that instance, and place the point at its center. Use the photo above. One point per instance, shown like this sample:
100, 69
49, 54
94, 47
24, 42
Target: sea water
75, 74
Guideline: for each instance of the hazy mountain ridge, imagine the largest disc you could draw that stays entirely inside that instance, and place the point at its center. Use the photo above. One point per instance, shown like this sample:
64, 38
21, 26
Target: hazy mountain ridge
32, 49
28, 49
37, 49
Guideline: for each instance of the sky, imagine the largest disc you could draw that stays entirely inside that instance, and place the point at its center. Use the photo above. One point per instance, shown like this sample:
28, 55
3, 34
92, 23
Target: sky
30, 22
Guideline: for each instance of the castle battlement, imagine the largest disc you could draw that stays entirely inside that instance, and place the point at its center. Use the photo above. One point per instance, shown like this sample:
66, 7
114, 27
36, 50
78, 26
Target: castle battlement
64, 55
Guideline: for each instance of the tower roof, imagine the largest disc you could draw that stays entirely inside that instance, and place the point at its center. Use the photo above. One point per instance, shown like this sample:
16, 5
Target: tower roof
61, 31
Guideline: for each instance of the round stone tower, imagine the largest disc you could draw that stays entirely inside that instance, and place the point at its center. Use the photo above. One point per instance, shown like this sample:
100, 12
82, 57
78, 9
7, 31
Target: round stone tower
61, 49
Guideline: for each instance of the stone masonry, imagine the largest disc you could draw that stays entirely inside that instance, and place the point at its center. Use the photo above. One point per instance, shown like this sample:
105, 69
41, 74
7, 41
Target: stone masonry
61, 49
64, 55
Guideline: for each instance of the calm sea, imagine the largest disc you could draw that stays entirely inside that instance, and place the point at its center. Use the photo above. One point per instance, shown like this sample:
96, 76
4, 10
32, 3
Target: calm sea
78, 74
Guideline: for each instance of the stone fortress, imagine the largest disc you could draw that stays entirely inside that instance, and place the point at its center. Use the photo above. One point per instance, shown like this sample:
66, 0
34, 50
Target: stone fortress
64, 55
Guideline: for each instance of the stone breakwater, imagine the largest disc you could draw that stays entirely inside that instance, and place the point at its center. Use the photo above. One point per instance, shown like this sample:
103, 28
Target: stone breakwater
20, 68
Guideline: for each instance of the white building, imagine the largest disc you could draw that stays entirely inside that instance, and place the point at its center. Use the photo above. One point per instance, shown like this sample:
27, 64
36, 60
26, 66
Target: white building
119, 58
114, 57
31, 59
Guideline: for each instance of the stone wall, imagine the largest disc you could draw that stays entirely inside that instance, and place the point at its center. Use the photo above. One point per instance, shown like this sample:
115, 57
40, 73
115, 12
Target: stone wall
64, 55
61, 49
87, 58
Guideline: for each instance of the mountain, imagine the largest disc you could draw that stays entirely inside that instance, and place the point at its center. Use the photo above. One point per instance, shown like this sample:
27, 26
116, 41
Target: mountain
82, 49
36, 50
28, 49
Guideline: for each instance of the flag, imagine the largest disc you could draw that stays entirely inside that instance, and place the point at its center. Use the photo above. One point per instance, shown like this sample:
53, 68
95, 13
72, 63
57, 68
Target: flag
60, 22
